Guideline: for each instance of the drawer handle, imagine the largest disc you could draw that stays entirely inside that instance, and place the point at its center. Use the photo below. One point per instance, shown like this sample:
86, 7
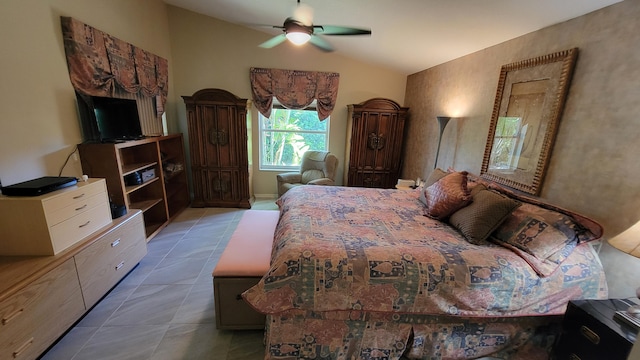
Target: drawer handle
115, 243
12, 316
78, 196
590, 335
574, 357
119, 265
85, 224
22, 348
81, 207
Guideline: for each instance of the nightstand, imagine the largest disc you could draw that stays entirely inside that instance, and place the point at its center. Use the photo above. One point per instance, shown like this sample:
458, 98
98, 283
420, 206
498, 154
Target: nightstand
589, 331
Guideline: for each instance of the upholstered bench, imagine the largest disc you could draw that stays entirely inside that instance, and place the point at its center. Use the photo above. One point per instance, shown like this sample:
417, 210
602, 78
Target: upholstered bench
244, 261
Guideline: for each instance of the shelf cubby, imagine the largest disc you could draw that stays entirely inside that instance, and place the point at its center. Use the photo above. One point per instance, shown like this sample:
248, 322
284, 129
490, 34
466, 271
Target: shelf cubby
160, 198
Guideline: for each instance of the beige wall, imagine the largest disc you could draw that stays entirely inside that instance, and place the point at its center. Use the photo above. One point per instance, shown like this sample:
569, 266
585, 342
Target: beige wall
594, 168
39, 125
209, 53
38, 118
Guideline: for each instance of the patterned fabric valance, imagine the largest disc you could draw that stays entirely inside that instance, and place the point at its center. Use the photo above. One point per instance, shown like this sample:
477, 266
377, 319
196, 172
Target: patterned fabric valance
99, 62
294, 89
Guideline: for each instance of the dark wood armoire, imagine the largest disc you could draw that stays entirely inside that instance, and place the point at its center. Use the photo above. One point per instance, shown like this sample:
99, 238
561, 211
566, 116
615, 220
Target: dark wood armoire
217, 122
374, 143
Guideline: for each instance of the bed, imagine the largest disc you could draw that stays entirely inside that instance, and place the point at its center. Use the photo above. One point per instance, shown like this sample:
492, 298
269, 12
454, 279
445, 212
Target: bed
362, 273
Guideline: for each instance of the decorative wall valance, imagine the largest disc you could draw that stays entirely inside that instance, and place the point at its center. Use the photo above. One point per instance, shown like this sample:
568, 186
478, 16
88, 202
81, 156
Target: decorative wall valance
99, 62
294, 89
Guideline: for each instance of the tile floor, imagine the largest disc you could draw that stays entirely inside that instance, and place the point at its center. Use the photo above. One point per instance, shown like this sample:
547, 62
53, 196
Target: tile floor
164, 308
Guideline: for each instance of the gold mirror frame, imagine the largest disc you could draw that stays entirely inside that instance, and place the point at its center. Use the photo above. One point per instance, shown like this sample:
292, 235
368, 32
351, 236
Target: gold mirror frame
526, 113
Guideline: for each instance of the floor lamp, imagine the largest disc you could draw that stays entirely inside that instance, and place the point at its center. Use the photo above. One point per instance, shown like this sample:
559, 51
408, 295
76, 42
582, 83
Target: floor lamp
443, 121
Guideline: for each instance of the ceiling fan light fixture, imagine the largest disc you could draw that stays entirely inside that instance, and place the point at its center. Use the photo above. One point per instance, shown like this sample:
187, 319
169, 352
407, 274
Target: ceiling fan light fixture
300, 30
298, 37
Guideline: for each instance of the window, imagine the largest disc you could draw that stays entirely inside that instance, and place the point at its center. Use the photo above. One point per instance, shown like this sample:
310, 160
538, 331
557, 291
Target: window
288, 134
508, 142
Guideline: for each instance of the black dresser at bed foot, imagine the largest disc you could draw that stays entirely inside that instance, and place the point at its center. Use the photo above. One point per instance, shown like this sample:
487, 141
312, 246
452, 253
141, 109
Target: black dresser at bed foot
591, 332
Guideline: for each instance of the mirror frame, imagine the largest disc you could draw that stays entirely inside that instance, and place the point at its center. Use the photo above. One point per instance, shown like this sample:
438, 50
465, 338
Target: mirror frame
557, 68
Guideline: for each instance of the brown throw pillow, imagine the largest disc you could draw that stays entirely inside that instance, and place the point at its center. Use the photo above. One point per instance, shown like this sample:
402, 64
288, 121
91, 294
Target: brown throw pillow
435, 175
487, 211
447, 195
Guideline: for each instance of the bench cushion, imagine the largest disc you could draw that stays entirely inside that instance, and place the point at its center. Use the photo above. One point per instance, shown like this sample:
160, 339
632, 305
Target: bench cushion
248, 253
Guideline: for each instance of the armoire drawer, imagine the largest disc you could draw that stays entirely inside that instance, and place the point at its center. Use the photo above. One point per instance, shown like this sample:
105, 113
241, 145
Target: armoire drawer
35, 316
102, 264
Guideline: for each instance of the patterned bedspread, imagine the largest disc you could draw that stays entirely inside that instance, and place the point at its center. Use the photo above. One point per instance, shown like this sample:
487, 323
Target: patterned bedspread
373, 250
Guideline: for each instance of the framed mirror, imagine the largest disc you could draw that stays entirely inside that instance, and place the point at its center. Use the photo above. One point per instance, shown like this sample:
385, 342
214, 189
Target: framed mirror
526, 113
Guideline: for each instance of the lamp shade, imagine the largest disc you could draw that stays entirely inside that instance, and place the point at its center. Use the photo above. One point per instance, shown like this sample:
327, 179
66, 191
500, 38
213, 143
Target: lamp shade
442, 121
298, 37
628, 241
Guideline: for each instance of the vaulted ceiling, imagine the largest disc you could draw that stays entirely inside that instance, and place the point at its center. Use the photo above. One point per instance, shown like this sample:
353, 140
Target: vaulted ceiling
407, 35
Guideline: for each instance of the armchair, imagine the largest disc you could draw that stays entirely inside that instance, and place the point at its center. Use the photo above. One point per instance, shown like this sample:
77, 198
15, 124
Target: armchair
317, 168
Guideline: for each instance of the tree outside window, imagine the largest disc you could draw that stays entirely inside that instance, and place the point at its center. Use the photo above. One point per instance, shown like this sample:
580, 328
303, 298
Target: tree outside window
287, 135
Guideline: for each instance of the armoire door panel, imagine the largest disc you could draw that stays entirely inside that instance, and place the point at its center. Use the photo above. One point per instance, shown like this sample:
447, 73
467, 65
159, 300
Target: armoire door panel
225, 140
195, 143
218, 143
374, 152
208, 126
387, 128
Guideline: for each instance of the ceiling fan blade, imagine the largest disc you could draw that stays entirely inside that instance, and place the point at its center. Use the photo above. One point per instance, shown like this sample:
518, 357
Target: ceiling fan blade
277, 40
339, 30
320, 43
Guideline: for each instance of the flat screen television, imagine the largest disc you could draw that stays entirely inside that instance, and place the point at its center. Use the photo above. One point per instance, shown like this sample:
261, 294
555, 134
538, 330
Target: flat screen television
106, 119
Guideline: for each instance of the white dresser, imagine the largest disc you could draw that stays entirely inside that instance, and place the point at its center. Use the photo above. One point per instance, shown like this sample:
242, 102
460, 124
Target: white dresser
50, 223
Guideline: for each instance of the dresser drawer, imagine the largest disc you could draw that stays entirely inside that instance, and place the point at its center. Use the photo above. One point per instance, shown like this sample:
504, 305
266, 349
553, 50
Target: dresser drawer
588, 334
73, 197
102, 264
78, 207
78, 227
34, 317
49, 223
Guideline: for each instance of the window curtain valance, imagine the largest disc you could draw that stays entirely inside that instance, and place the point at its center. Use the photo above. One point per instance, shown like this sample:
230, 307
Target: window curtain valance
99, 63
294, 89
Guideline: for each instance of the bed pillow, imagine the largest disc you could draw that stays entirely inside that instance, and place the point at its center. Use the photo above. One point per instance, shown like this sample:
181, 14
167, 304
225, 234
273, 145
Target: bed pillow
588, 229
543, 267
543, 237
435, 175
446, 195
486, 212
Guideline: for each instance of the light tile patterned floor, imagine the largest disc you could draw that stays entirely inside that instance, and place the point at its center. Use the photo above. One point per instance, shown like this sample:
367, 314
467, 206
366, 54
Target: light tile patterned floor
164, 308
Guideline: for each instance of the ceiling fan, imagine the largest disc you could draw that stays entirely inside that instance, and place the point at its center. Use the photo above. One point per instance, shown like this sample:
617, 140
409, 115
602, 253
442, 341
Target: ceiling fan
299, 30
